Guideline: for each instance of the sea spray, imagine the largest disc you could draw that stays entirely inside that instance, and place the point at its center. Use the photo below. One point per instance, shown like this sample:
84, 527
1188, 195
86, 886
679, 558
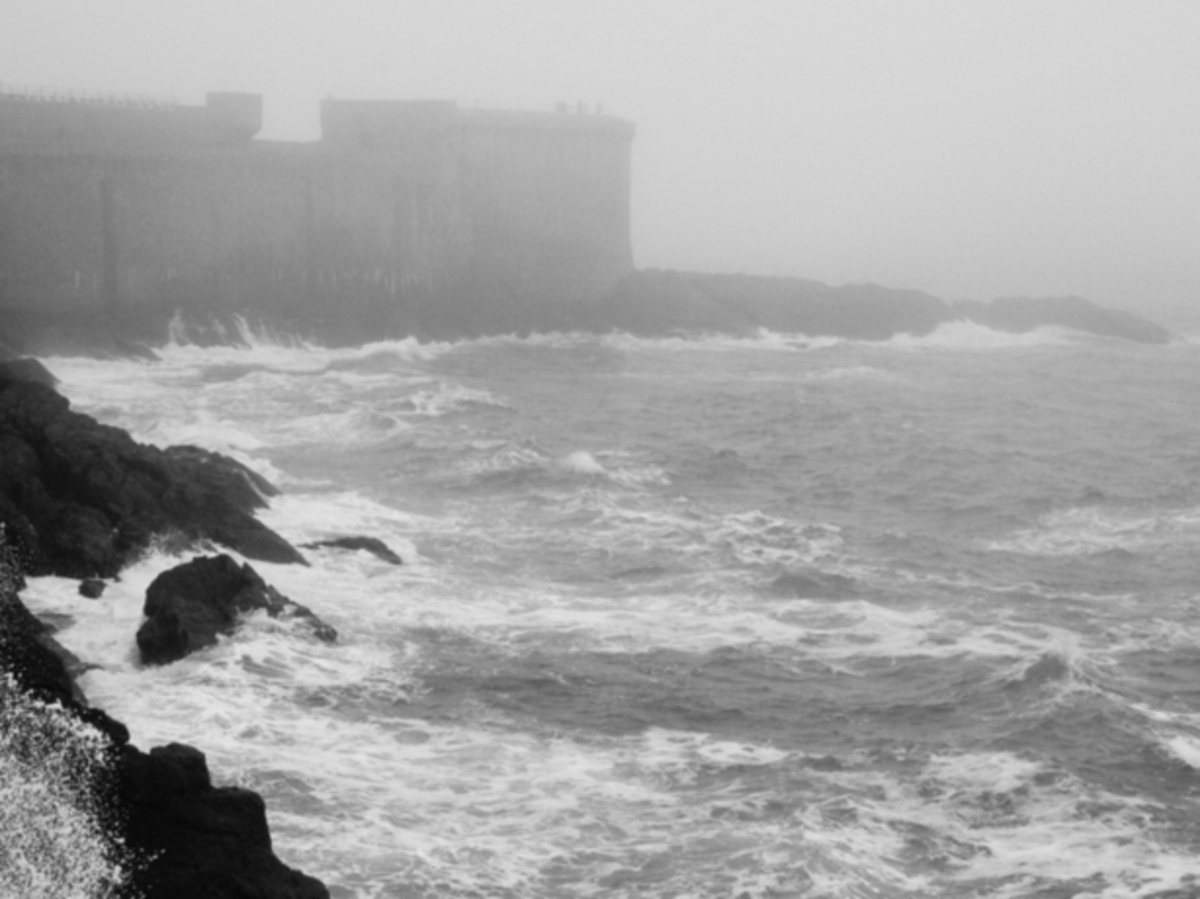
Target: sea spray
53, 772
56, 831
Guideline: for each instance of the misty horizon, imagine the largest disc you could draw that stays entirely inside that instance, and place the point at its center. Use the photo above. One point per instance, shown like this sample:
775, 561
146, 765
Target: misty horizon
966, 151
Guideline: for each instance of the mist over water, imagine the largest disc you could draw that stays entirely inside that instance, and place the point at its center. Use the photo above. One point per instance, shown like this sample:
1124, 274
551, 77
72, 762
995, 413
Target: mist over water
731, 617
971, 150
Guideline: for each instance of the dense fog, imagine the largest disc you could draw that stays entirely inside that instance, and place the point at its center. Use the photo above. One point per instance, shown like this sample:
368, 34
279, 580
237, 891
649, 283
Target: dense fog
968, 149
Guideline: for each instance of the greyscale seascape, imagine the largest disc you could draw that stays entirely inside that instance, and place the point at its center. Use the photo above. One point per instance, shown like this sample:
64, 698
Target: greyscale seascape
372, 526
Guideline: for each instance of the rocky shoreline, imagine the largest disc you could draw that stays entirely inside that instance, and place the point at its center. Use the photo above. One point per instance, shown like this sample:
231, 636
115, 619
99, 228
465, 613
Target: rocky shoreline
80, 499
649, 303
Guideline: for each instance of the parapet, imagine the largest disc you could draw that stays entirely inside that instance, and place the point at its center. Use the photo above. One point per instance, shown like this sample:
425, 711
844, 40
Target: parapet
69, 120
383, 124
404, 124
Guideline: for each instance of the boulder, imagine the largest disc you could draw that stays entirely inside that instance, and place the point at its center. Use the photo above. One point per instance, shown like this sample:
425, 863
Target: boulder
372, 545
177, 835
81, 499
190, 606
92, 588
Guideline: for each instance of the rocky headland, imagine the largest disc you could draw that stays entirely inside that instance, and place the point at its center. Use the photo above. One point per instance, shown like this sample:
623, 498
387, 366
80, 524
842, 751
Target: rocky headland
80, 499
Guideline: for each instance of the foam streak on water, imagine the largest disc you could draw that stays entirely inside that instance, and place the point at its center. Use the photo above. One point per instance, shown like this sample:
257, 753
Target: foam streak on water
753, 617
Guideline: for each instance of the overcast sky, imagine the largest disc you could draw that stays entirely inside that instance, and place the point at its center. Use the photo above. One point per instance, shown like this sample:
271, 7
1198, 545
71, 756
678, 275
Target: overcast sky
970, 148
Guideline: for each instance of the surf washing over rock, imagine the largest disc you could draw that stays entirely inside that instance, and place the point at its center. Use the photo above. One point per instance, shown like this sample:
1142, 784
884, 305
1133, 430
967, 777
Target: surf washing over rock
86, 812
495, 567
759, 614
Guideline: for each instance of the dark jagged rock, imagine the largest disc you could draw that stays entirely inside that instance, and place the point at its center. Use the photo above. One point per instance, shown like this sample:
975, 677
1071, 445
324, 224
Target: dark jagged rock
37, 662
81, 499
92, 588
191, 605
240, 482
372, 545
202, 842
177, 836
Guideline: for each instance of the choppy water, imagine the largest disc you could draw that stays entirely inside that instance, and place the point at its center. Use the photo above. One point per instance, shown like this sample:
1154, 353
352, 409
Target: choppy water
727, 618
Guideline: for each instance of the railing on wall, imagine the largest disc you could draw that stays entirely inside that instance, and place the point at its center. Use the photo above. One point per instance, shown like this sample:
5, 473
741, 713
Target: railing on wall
95, 98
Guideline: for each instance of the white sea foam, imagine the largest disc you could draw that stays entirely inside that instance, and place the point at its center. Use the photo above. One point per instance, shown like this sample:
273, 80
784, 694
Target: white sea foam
1090, 529
968, 335
761, 339
446, 398
849, 373
962, 335
1176, 732
757, 538
583, 462
1185, 748
379, 784
263, 345
617, 467
422, 805
1000, 825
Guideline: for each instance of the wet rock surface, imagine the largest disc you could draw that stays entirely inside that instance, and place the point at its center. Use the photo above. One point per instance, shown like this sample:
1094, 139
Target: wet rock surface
372, 545
175, 835
82, 499
190, 606
201, 841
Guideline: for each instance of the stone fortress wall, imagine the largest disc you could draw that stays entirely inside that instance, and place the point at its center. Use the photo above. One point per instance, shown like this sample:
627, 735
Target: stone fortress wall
400, 207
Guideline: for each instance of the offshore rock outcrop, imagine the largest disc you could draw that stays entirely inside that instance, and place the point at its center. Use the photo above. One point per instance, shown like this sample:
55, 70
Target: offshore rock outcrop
81, 499
660, 302
664, 302
190, 606
372, 545
648, 302
1020, 314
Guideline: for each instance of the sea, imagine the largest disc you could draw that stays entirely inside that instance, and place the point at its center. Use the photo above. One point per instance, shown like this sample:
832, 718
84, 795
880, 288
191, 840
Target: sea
727, 618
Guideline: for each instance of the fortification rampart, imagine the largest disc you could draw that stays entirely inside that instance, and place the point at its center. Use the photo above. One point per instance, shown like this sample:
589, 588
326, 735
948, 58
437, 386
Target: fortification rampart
402, 209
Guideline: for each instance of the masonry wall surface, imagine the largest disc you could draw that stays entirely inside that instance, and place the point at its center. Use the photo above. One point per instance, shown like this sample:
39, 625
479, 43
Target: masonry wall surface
402, 209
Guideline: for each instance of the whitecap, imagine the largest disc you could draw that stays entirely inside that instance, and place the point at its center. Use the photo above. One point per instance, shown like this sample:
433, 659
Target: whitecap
968, 335
1087, 530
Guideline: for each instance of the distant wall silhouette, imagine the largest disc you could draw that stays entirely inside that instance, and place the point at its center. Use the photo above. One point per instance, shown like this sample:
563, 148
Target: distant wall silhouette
401, 209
